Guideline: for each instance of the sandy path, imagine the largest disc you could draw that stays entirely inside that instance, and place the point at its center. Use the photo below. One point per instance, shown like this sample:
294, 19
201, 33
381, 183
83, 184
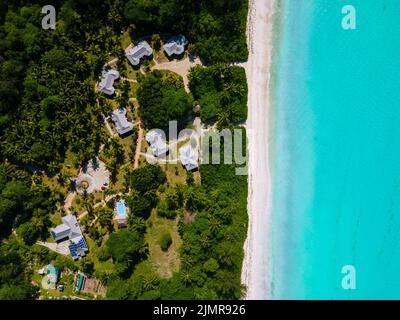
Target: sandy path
180, 67
255, 264
68, 201
138, 147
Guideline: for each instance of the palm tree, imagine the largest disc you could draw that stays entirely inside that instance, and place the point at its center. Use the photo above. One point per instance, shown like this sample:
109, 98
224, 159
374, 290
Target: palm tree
215, 225
187, 261
150, 281
87, 203
219, 70
205, 242
223, 118
186, 276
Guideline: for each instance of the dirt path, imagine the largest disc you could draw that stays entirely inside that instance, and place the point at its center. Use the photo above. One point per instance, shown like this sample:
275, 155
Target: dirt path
138, 146
68, 201
129, 80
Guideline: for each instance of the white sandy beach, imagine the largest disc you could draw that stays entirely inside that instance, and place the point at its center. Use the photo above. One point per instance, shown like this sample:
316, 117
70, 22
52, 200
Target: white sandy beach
256, 260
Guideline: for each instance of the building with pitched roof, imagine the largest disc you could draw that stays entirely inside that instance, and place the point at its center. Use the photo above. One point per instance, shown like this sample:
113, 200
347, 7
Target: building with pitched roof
71, 230
189, 157
134, 54
158, 146
175, 45
122, 124
108, 76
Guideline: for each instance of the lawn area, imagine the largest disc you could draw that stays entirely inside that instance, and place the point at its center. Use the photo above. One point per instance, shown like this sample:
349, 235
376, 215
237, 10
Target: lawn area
129, 145
70, 165
101, 266
125, 40
78, 202
160, 56
133, 88
118, 186
130, 71
175, 173
164, 263
53, 184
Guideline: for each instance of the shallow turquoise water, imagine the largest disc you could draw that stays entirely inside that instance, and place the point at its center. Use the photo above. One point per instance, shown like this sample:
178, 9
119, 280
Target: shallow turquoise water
336, 153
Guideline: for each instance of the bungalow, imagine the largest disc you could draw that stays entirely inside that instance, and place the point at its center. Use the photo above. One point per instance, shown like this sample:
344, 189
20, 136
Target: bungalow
157, 144
189, 157
134, 54
122, 124
71, 230
175, 45
108, 76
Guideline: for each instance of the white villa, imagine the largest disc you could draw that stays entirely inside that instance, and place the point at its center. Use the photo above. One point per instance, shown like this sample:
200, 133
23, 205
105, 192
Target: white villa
71, 230
175, 45
108, 76
189, 157
157, 144
122, 124
134, 54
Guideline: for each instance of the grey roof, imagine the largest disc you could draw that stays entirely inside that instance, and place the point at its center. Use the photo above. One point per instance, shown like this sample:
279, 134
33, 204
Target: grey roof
60, 232
108, 76
157, 144
175, 45
134, 54
121, 122
69, 229
189, 157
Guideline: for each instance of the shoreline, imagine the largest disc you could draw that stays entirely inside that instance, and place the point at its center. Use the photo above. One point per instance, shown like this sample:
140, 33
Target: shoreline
258, 71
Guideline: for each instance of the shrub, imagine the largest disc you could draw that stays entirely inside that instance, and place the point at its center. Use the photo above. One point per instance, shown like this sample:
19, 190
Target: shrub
149, 177
165, 241
103, 254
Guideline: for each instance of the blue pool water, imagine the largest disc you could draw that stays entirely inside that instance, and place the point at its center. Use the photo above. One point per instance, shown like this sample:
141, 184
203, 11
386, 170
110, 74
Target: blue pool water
121, 210
336, 151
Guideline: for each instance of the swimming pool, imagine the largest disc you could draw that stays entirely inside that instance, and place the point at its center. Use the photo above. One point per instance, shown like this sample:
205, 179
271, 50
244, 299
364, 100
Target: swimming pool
121, 209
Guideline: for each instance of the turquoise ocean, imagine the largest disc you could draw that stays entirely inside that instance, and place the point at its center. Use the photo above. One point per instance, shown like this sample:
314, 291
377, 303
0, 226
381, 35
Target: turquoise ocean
335, 154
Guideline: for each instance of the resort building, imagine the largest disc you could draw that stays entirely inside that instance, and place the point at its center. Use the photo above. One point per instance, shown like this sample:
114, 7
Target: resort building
134, 54
121, 213
189, 157
175, 45
122, 124
157, 144
108, 76
71, 230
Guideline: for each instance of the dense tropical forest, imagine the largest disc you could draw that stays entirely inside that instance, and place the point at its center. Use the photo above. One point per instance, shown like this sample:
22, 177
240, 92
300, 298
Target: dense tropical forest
222, 93
51, 118
162, 98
